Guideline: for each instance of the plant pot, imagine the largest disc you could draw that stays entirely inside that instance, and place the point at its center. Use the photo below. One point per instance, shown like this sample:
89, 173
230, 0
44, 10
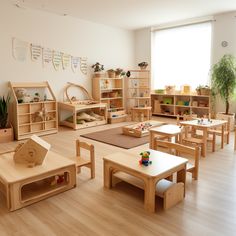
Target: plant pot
111, 74
198, 91
205, 91
143, 67
97, 75
223, 116
6, 135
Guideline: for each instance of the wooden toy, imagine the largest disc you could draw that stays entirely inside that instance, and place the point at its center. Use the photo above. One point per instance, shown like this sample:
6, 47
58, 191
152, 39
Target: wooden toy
145, 158
33, 152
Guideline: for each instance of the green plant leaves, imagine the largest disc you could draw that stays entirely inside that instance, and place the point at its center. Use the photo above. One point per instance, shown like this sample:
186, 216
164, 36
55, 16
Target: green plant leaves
4, 102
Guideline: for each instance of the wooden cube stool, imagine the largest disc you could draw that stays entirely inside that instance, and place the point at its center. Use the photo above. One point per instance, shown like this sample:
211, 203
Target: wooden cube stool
81, 161
143, 113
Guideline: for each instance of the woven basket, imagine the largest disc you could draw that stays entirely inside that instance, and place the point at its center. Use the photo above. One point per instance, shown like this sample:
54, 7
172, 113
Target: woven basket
205, 91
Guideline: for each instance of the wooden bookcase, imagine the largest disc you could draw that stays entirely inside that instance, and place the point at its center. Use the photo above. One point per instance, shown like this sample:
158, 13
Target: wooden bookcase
138, 89
30, 118
180, 104
110, 91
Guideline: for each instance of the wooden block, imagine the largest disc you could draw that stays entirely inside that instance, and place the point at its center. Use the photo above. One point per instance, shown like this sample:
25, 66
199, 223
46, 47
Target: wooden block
32, 152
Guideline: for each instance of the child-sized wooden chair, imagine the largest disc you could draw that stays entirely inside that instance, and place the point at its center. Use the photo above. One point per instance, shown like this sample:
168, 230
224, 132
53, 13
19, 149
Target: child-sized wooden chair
179, 150
81, 161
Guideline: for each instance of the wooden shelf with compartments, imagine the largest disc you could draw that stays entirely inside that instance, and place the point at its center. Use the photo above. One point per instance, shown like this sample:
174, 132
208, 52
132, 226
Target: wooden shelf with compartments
180, 104
138, 89
33, 117
110, 91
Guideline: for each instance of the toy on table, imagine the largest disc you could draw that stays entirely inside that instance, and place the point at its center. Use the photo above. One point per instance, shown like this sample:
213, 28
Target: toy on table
145, 158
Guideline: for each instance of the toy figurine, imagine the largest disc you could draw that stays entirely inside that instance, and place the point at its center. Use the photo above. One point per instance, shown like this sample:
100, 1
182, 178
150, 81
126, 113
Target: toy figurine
145, 158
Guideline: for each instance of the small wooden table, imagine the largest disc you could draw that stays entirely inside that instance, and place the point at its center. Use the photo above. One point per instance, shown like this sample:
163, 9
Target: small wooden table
168, 131
136, 131
143, 113
204, 127
23, 186
163, 165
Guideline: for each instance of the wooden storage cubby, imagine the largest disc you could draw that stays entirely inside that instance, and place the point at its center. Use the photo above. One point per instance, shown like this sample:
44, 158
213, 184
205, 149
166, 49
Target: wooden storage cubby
110, 91
180, 105
138, 89
25, 113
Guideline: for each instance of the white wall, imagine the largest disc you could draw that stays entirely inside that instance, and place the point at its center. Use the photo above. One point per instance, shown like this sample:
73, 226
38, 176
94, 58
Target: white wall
112, 47
224, 29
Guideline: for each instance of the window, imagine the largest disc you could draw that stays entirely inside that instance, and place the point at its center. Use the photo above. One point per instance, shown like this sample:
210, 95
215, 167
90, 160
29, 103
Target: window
181, 56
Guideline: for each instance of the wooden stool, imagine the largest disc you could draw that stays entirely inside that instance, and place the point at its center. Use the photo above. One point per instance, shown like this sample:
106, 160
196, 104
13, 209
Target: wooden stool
171, 193
143, 113
81, 161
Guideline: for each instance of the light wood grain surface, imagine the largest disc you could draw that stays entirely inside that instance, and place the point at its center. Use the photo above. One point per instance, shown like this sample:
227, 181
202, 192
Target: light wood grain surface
209, 207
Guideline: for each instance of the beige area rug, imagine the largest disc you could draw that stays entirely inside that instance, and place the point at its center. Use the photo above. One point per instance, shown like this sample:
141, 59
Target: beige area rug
116, 138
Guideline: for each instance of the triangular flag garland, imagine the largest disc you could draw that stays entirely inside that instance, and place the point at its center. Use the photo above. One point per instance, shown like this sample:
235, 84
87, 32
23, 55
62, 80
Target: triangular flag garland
35, 52
74, 63
83, 65
47, 56
66, 60
21, 48
56, 60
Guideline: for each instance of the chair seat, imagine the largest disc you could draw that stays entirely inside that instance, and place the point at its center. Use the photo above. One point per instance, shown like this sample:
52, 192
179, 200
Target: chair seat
190, 167
217, 132
80, 161
193, 140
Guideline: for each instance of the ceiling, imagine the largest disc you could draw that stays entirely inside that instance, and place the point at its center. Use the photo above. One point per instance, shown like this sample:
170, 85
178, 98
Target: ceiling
131, 14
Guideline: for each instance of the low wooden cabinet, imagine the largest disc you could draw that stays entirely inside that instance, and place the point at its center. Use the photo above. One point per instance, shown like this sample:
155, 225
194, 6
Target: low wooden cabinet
178, 104
33, 117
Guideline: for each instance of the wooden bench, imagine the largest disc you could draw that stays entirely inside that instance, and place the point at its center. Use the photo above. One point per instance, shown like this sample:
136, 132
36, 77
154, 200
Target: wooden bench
172, 193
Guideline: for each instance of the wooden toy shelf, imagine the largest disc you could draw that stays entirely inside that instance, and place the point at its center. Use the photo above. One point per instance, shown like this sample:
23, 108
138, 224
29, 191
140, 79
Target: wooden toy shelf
110, 91
180, 104
74, 109
138, 89
34, 117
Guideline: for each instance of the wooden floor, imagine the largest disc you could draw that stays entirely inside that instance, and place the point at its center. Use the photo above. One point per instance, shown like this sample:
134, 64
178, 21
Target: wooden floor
208, 209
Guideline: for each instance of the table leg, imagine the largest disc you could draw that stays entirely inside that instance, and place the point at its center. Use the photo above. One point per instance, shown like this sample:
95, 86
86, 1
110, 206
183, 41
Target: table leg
151, 139
222, 136
107, 175
181, 177
149, 195
204, 147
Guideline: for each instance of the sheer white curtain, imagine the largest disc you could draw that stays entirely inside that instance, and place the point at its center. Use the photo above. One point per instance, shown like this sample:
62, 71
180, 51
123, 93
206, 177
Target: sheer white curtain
182, 56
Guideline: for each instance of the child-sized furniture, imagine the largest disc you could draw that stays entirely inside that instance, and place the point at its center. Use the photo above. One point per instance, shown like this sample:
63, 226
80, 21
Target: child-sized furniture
141, 113
34, 109
23, 186
82, 161
180, 150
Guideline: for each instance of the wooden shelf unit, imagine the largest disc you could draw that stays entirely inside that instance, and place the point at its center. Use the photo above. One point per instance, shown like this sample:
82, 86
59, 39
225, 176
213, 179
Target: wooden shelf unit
73, 109
110, 91
180, 104
138, 89
23, 117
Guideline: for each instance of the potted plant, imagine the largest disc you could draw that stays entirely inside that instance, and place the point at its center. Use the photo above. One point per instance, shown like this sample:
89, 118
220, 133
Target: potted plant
98, 68
6, 130
119, 72
111, 73
143, 65
224, 83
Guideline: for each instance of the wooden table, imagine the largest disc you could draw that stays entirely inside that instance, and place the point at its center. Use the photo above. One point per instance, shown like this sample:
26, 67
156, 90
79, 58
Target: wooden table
168, 131
163, 165
23, 186
136, 131
204, 127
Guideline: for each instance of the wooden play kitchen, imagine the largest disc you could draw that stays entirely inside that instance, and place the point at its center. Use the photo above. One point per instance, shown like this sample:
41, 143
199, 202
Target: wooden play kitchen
23, 186
163, 165
141, 129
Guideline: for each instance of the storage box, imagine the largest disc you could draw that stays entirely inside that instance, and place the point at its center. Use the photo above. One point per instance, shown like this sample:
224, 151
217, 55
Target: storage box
6, 135
168, 101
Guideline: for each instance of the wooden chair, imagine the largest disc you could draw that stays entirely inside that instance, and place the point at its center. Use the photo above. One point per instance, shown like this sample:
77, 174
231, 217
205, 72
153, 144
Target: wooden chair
180, 149
81, 161
218, 132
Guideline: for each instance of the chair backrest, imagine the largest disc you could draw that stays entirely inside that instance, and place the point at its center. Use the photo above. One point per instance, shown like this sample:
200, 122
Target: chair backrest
84, 145
179, 149
186, 117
